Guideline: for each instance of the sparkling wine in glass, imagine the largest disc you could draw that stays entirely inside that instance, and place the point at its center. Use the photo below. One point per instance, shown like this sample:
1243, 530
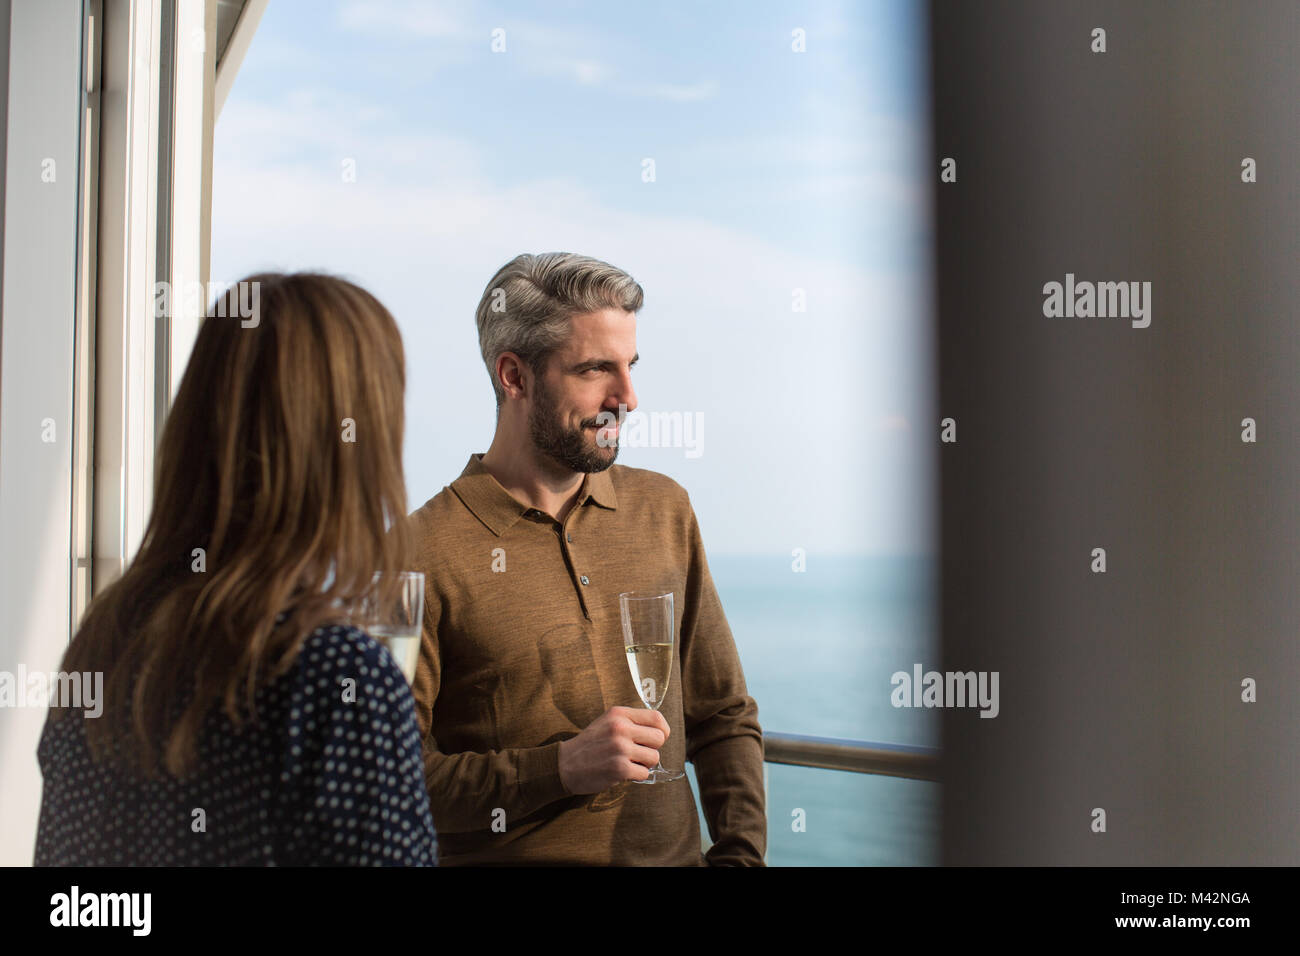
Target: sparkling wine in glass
648, 641
395, 622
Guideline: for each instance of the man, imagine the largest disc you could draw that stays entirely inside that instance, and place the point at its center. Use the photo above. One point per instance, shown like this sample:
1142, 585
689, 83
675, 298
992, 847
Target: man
534, 731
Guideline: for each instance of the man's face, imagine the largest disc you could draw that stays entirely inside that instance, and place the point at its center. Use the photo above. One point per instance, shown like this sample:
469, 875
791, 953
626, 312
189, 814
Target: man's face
591, 374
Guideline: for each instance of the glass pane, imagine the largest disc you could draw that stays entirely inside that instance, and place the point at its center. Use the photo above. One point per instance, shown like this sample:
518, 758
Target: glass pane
760, 175
833, 818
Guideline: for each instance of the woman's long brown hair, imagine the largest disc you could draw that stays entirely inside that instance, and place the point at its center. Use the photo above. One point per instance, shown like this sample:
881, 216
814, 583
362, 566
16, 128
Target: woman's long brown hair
281, 460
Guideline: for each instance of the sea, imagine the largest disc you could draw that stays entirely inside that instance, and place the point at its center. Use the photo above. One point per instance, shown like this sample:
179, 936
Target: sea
818, 647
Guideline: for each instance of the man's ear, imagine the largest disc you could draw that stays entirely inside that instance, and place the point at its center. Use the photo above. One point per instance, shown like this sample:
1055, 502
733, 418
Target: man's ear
512, 372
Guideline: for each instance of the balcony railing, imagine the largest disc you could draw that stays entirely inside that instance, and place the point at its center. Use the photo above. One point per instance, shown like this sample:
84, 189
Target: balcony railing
858, 756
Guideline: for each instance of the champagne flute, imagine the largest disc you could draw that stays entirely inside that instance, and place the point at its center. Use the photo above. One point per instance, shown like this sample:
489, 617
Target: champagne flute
395, 622
648, 640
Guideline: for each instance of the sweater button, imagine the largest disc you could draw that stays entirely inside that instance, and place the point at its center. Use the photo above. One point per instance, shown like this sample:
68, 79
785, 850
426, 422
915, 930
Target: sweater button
583, 579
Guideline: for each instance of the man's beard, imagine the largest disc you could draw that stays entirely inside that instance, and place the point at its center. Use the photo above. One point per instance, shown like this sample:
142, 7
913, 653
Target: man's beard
569, 447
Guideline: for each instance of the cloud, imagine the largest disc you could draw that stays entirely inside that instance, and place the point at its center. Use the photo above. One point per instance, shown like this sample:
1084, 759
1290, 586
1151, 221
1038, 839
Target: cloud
594, 72
682, 94
572, 50
444, 20
586, 72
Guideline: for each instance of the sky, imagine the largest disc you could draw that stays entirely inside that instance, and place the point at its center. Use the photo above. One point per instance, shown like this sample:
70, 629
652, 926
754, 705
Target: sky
390, 143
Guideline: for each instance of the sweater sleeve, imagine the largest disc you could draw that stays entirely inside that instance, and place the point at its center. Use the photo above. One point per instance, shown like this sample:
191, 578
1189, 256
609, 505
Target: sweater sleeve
352, 772
723, 737
465, 789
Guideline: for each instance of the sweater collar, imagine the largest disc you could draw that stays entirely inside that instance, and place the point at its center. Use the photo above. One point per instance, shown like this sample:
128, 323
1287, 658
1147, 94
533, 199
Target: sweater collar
498, 509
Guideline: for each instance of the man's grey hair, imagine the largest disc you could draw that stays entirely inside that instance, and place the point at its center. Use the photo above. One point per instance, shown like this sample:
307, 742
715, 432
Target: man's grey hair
527, 306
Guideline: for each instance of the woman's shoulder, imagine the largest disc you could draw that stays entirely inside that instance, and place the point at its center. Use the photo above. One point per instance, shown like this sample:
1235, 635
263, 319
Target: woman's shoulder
341, 658
341, 642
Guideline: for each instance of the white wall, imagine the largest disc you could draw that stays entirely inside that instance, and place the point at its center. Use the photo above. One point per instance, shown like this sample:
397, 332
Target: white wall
36, 366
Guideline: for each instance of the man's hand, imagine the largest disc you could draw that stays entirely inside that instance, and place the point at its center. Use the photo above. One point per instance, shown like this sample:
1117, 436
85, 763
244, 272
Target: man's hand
621, 744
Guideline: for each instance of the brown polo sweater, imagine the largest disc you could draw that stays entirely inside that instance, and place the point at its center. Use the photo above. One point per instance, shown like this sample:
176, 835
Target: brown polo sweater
523, 648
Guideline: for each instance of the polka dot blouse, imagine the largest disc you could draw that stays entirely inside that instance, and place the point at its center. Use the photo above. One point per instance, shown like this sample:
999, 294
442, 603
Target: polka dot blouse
331, 774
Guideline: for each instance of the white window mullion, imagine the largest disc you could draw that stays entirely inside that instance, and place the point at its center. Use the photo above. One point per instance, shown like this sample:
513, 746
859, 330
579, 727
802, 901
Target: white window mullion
191, 178
125, 330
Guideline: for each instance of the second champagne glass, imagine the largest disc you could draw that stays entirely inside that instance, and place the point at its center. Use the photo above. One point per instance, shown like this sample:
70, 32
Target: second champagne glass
395, 623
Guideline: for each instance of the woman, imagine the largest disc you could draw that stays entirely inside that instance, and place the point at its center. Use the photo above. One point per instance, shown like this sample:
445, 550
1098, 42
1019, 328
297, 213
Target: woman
243, 721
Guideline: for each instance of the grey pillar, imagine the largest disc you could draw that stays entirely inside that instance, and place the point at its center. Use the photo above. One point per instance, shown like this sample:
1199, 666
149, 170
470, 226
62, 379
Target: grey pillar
1121, 690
